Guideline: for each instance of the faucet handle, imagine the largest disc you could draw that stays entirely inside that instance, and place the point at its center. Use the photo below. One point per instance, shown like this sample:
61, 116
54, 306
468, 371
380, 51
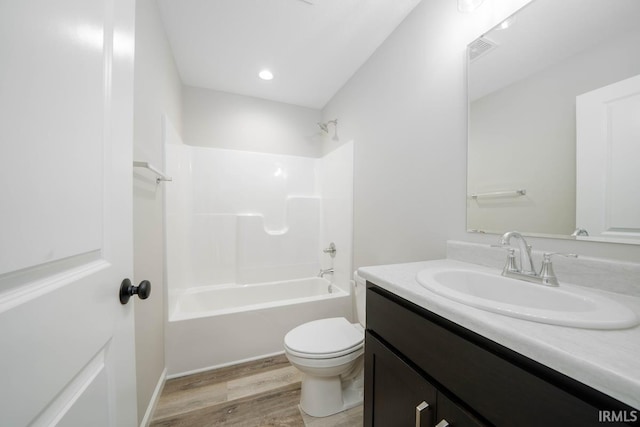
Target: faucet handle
547, 255
331, 250
510, 266
547, 275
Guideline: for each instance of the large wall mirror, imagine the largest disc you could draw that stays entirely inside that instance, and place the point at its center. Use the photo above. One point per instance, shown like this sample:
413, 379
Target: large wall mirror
554, 122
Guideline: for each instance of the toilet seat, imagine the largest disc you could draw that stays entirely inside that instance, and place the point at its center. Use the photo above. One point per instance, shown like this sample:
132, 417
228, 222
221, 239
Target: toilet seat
324, 339
322, 355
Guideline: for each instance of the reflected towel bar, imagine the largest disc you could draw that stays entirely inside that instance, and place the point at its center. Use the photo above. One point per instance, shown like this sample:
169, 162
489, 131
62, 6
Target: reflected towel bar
147, 165
509, 193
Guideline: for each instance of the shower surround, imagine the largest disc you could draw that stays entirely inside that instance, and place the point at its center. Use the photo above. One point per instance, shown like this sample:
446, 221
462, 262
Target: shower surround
248, 229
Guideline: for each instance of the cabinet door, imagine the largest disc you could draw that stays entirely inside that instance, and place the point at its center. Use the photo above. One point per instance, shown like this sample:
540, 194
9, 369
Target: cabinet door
448, 414
395, 394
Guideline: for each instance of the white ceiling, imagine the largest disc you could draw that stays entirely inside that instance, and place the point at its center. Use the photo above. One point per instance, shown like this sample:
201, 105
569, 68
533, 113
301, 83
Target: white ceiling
312, 46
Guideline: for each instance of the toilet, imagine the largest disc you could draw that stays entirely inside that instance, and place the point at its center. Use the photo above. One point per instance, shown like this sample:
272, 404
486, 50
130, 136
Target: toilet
330, 354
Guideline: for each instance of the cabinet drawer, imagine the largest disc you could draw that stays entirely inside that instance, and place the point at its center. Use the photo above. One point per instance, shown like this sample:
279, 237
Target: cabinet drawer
489, 378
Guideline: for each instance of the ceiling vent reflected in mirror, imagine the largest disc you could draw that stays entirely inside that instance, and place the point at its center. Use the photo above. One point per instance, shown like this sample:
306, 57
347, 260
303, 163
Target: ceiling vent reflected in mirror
481, 47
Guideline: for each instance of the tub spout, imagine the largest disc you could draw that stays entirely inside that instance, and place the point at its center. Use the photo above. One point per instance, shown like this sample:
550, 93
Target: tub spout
323, 272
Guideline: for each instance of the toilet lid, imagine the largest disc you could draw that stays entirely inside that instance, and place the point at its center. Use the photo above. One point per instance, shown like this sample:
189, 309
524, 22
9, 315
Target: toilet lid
325, 336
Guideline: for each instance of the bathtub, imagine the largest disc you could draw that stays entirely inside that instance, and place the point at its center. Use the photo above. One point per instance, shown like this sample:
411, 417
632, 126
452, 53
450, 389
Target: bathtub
211, 327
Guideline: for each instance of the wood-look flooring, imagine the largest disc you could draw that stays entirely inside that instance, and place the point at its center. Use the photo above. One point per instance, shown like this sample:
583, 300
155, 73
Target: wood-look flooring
265, 392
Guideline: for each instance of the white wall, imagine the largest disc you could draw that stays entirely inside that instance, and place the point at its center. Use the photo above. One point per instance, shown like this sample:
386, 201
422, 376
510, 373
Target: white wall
336, 187
406, 110
157, 91
535, 147
224, 120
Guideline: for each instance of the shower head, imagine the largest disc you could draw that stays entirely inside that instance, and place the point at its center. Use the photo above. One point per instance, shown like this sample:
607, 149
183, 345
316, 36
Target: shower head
324, 127
334, 122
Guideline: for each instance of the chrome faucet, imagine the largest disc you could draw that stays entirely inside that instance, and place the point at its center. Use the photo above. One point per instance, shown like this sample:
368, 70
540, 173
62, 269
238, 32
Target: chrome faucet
579, 232
327, 271
526, 271
526, 263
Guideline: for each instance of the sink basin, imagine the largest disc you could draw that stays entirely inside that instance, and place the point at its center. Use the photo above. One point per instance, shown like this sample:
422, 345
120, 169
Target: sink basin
566, 305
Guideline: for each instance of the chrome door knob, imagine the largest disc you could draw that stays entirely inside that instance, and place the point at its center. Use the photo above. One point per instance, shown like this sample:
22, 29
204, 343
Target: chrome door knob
127, 290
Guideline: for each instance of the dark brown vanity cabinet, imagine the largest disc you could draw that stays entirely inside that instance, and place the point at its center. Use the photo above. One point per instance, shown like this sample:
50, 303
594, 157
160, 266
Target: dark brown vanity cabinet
424, 370
401, 396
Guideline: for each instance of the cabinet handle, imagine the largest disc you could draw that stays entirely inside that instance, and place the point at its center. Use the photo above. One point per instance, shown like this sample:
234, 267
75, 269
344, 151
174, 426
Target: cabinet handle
419, 410
443, 423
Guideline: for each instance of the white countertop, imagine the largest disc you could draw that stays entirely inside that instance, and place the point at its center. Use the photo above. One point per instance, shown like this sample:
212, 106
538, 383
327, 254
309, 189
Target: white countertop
608, 361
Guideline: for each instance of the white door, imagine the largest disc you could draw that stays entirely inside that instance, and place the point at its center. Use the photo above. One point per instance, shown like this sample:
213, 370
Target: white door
607, 155
66, 94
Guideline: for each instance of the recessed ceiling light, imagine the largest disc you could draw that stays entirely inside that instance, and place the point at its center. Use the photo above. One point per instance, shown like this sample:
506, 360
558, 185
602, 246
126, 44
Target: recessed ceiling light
506, 23
466, 6
265, 75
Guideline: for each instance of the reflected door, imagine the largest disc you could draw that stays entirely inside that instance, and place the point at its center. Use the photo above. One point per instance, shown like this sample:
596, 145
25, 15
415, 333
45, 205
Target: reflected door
66, 96
607, 153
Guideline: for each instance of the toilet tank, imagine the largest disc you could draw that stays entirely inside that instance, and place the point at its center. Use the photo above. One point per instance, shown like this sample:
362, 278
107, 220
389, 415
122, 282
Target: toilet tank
360, 292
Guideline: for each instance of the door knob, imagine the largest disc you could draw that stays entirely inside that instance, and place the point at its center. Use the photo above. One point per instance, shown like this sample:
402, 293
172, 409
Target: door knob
127, 290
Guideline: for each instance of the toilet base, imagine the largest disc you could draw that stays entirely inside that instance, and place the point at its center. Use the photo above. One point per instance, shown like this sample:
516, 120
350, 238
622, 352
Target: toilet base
324, 396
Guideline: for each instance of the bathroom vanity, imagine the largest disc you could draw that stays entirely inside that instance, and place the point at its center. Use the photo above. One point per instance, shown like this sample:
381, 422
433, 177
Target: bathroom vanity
430, 361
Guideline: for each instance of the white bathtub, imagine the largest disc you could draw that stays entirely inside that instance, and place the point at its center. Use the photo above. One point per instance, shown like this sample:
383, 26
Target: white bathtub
216, 326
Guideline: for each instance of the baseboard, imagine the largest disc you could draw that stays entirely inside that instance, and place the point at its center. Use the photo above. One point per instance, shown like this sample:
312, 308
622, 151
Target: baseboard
222, 365
154, 399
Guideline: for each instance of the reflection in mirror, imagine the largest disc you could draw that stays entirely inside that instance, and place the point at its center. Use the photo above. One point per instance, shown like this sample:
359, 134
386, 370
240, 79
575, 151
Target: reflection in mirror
554, 122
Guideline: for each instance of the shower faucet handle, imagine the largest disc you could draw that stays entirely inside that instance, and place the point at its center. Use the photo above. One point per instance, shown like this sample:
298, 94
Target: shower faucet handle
331, 250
